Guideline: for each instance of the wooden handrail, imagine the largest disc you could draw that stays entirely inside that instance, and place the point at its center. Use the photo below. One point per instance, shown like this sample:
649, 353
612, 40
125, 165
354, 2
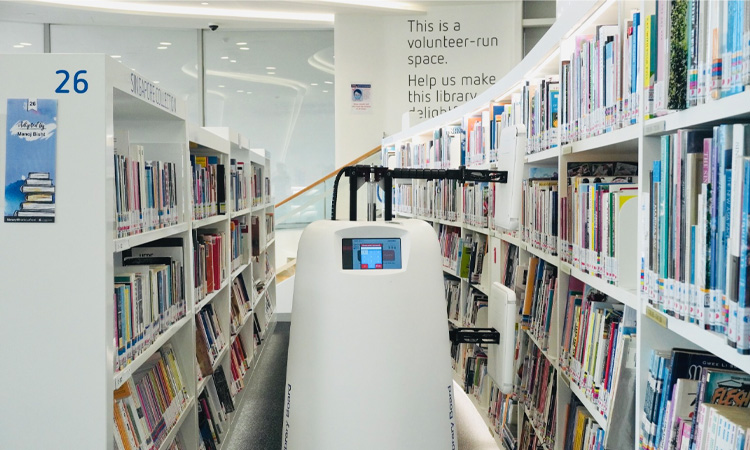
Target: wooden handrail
332, 174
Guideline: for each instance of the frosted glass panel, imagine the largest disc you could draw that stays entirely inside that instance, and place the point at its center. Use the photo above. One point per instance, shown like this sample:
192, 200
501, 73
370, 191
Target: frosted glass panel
164, 55
276, 88
21, 37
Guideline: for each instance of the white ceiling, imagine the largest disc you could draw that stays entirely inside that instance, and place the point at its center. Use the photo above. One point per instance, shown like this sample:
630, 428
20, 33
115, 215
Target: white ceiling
228, 14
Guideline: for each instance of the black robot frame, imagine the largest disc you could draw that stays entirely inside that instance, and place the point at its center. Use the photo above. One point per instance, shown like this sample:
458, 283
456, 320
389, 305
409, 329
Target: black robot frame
361, 174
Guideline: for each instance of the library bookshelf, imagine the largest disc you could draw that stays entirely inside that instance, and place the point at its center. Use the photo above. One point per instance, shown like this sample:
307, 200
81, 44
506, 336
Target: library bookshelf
58, 278
460, 215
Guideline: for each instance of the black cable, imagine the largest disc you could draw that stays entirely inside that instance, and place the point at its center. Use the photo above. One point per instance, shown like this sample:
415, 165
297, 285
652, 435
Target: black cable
335, 192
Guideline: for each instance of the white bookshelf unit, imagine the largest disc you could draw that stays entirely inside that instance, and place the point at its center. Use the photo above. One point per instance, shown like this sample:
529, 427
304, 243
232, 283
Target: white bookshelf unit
58, 278
636, 143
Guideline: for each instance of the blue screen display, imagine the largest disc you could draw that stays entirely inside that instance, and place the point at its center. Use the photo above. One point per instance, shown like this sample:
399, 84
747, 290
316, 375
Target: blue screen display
371, 254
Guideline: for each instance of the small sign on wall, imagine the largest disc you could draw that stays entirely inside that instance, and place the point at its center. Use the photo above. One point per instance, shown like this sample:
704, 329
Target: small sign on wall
30, 160
361, 95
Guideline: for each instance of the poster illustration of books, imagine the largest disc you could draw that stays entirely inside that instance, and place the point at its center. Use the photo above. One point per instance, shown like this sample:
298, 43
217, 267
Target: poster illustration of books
31, 146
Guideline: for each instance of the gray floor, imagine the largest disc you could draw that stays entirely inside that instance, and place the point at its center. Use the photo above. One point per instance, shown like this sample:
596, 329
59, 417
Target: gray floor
261, 419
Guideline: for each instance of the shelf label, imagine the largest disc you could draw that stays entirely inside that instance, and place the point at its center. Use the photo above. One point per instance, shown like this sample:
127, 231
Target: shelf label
566, 149
122, 244
121, 377
656, 316
654, 127
151, 93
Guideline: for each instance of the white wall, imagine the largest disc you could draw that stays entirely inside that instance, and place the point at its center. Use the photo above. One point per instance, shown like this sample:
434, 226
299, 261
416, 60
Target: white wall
376, 49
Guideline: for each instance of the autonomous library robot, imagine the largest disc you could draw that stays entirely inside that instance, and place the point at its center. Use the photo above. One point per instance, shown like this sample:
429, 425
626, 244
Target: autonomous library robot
369, 354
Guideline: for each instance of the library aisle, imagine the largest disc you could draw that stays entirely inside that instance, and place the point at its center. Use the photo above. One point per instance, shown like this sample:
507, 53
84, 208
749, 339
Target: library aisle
260, 420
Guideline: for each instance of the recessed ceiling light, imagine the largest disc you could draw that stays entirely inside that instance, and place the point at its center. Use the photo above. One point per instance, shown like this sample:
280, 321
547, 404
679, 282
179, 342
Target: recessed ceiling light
24, 43
116, 56
272, 73
325, 91
233, 60
156, 82
240, 90
162, 47
249, 92
328, 82
244, 48
165, 43
204, 3
242, 43
224, 57
18, 46
221, 85
270, 68
313, 84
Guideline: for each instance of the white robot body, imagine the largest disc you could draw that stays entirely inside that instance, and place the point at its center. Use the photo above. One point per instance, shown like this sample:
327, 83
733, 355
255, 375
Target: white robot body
369, 352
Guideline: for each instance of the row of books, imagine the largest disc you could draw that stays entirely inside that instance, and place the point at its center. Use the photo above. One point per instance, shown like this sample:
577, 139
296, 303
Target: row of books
539, 215
529, 439
538, 391
238, 185
215, 405
450, 247
696, 51
594, 209
241, 303
539, 300
258, 185
503, 415
209, 190
696, 264
209, 334
441, 152
452, 297
238, 230
210, 256
597, 348
542, 126
255, 247
148, 297
695, 398
599, 84
475, 372
475, 204
582, 432
146, 192
269, 226
148, 405
511, 263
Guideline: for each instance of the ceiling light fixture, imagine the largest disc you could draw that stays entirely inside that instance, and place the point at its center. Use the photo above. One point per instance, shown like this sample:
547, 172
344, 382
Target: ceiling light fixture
224, 57
156, 82
204, 3
270, 68
240, 90
24, 43
195, 11
18, 46
271, 73
325, 91
116, 56
313, 84
162, 48
379, 4
244, 48
242, 43
328, 82
221, 85
233, 60
165, 43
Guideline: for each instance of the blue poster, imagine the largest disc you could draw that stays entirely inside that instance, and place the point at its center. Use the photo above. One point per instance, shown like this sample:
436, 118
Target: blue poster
31, 145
